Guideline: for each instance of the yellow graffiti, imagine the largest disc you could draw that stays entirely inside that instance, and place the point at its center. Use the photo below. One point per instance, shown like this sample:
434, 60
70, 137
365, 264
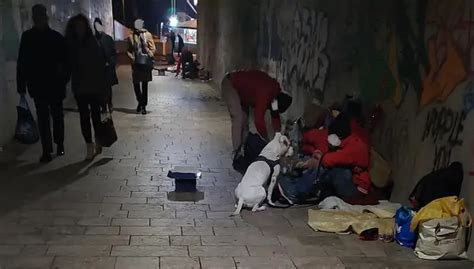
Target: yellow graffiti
446, 71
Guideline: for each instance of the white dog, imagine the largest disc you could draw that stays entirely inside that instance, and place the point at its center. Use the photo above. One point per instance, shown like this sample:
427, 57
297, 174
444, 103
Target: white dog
250, 192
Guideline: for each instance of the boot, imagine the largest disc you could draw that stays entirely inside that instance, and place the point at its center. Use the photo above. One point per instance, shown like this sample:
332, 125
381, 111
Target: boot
60, 150
46, 158
90, 152
98, 149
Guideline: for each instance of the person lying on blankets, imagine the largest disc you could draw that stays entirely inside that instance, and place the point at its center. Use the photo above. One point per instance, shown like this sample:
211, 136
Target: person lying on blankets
255, 89
343, 170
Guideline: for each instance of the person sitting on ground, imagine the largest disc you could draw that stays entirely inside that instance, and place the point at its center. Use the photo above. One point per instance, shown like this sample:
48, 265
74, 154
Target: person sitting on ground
315, 135
342, 171
345, 170
187, 65
256, 89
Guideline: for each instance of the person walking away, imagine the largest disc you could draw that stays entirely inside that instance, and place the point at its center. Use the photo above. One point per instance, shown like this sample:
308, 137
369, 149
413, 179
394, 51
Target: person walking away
180, 45
173, 41
41, 69
108, 46
141, 50
89, 82
252, 88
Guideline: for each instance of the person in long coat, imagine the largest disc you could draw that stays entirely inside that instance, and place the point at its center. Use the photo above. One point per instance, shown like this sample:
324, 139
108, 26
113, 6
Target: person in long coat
108, 45
141, 43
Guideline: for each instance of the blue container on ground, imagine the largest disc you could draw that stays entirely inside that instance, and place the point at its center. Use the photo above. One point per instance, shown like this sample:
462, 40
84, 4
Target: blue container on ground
403, 235
185, 178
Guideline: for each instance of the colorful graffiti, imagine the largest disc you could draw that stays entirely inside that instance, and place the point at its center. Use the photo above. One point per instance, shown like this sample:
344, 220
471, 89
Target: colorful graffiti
447, 68
407, 53
299, 50
444, 128
430, 50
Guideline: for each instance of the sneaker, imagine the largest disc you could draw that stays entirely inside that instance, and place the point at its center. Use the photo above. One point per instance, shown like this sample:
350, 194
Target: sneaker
60, 150
90, 152
46, 158
144, 112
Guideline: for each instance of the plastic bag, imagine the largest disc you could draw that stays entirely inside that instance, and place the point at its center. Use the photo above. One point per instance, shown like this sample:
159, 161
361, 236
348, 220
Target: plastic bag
26, 129
442, 239
440, 208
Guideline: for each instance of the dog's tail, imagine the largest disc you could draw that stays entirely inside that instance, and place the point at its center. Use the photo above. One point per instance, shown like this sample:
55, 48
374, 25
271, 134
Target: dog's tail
240, 204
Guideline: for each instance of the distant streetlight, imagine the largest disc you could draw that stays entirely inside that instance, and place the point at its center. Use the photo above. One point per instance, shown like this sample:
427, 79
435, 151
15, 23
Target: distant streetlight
173, 21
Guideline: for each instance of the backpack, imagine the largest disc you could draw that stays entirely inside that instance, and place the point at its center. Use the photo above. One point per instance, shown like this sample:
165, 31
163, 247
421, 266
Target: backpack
437, 184
248, 152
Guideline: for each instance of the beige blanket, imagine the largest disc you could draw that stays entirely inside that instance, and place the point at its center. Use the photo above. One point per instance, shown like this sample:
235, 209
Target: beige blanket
338, 221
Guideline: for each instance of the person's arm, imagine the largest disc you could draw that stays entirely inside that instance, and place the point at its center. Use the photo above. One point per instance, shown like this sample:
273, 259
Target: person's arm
308, 149
113, 51
131, 48
64, 65
21, 72
339, 157
276, 123
151, 45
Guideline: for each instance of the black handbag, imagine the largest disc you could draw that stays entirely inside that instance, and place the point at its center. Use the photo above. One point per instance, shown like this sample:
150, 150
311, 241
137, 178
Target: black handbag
106, 135
142, 59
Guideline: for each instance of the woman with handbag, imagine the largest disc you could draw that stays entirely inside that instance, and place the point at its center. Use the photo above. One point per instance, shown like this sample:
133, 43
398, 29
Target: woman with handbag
141, 50
88, 78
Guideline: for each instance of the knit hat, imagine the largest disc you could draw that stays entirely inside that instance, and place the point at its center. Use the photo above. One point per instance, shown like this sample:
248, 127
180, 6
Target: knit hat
340, 126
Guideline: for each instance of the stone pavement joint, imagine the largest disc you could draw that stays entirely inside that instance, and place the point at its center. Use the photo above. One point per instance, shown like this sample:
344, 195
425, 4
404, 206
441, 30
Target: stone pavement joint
114, 212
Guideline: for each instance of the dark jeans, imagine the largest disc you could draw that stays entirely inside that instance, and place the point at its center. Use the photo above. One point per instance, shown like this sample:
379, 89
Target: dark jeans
334, 181
338, 181
141, 93
89, 109
47, 109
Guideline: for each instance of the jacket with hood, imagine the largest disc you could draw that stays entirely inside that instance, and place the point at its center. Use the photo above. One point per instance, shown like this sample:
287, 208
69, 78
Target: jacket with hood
257, 89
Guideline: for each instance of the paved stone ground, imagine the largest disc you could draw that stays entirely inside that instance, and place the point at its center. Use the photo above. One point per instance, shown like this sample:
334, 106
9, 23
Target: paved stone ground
114, 213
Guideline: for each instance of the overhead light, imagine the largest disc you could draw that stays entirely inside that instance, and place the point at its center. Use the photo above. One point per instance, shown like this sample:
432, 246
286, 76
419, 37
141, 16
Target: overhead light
195, 2
173, 21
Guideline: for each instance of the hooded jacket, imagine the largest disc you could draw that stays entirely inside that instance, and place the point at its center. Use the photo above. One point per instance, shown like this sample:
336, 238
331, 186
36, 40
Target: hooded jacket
313, 140
353, 153
257, 89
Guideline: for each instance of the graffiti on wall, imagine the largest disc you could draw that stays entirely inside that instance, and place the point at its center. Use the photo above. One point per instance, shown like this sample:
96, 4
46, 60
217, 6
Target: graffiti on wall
444, 127
299, 50
430, 50
395, 137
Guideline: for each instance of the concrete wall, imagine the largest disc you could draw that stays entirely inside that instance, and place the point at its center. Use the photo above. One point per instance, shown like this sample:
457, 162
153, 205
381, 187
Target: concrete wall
15, 17
415, 58
227, 35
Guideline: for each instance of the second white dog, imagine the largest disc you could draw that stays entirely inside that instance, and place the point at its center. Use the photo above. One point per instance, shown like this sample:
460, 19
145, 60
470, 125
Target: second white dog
250, 192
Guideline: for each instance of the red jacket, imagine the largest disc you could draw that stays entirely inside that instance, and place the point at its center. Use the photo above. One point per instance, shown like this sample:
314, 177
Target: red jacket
360, 131
354, 153
315, 139
257, 89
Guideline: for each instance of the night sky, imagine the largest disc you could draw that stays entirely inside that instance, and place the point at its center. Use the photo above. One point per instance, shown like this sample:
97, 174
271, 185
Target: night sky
153, 12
